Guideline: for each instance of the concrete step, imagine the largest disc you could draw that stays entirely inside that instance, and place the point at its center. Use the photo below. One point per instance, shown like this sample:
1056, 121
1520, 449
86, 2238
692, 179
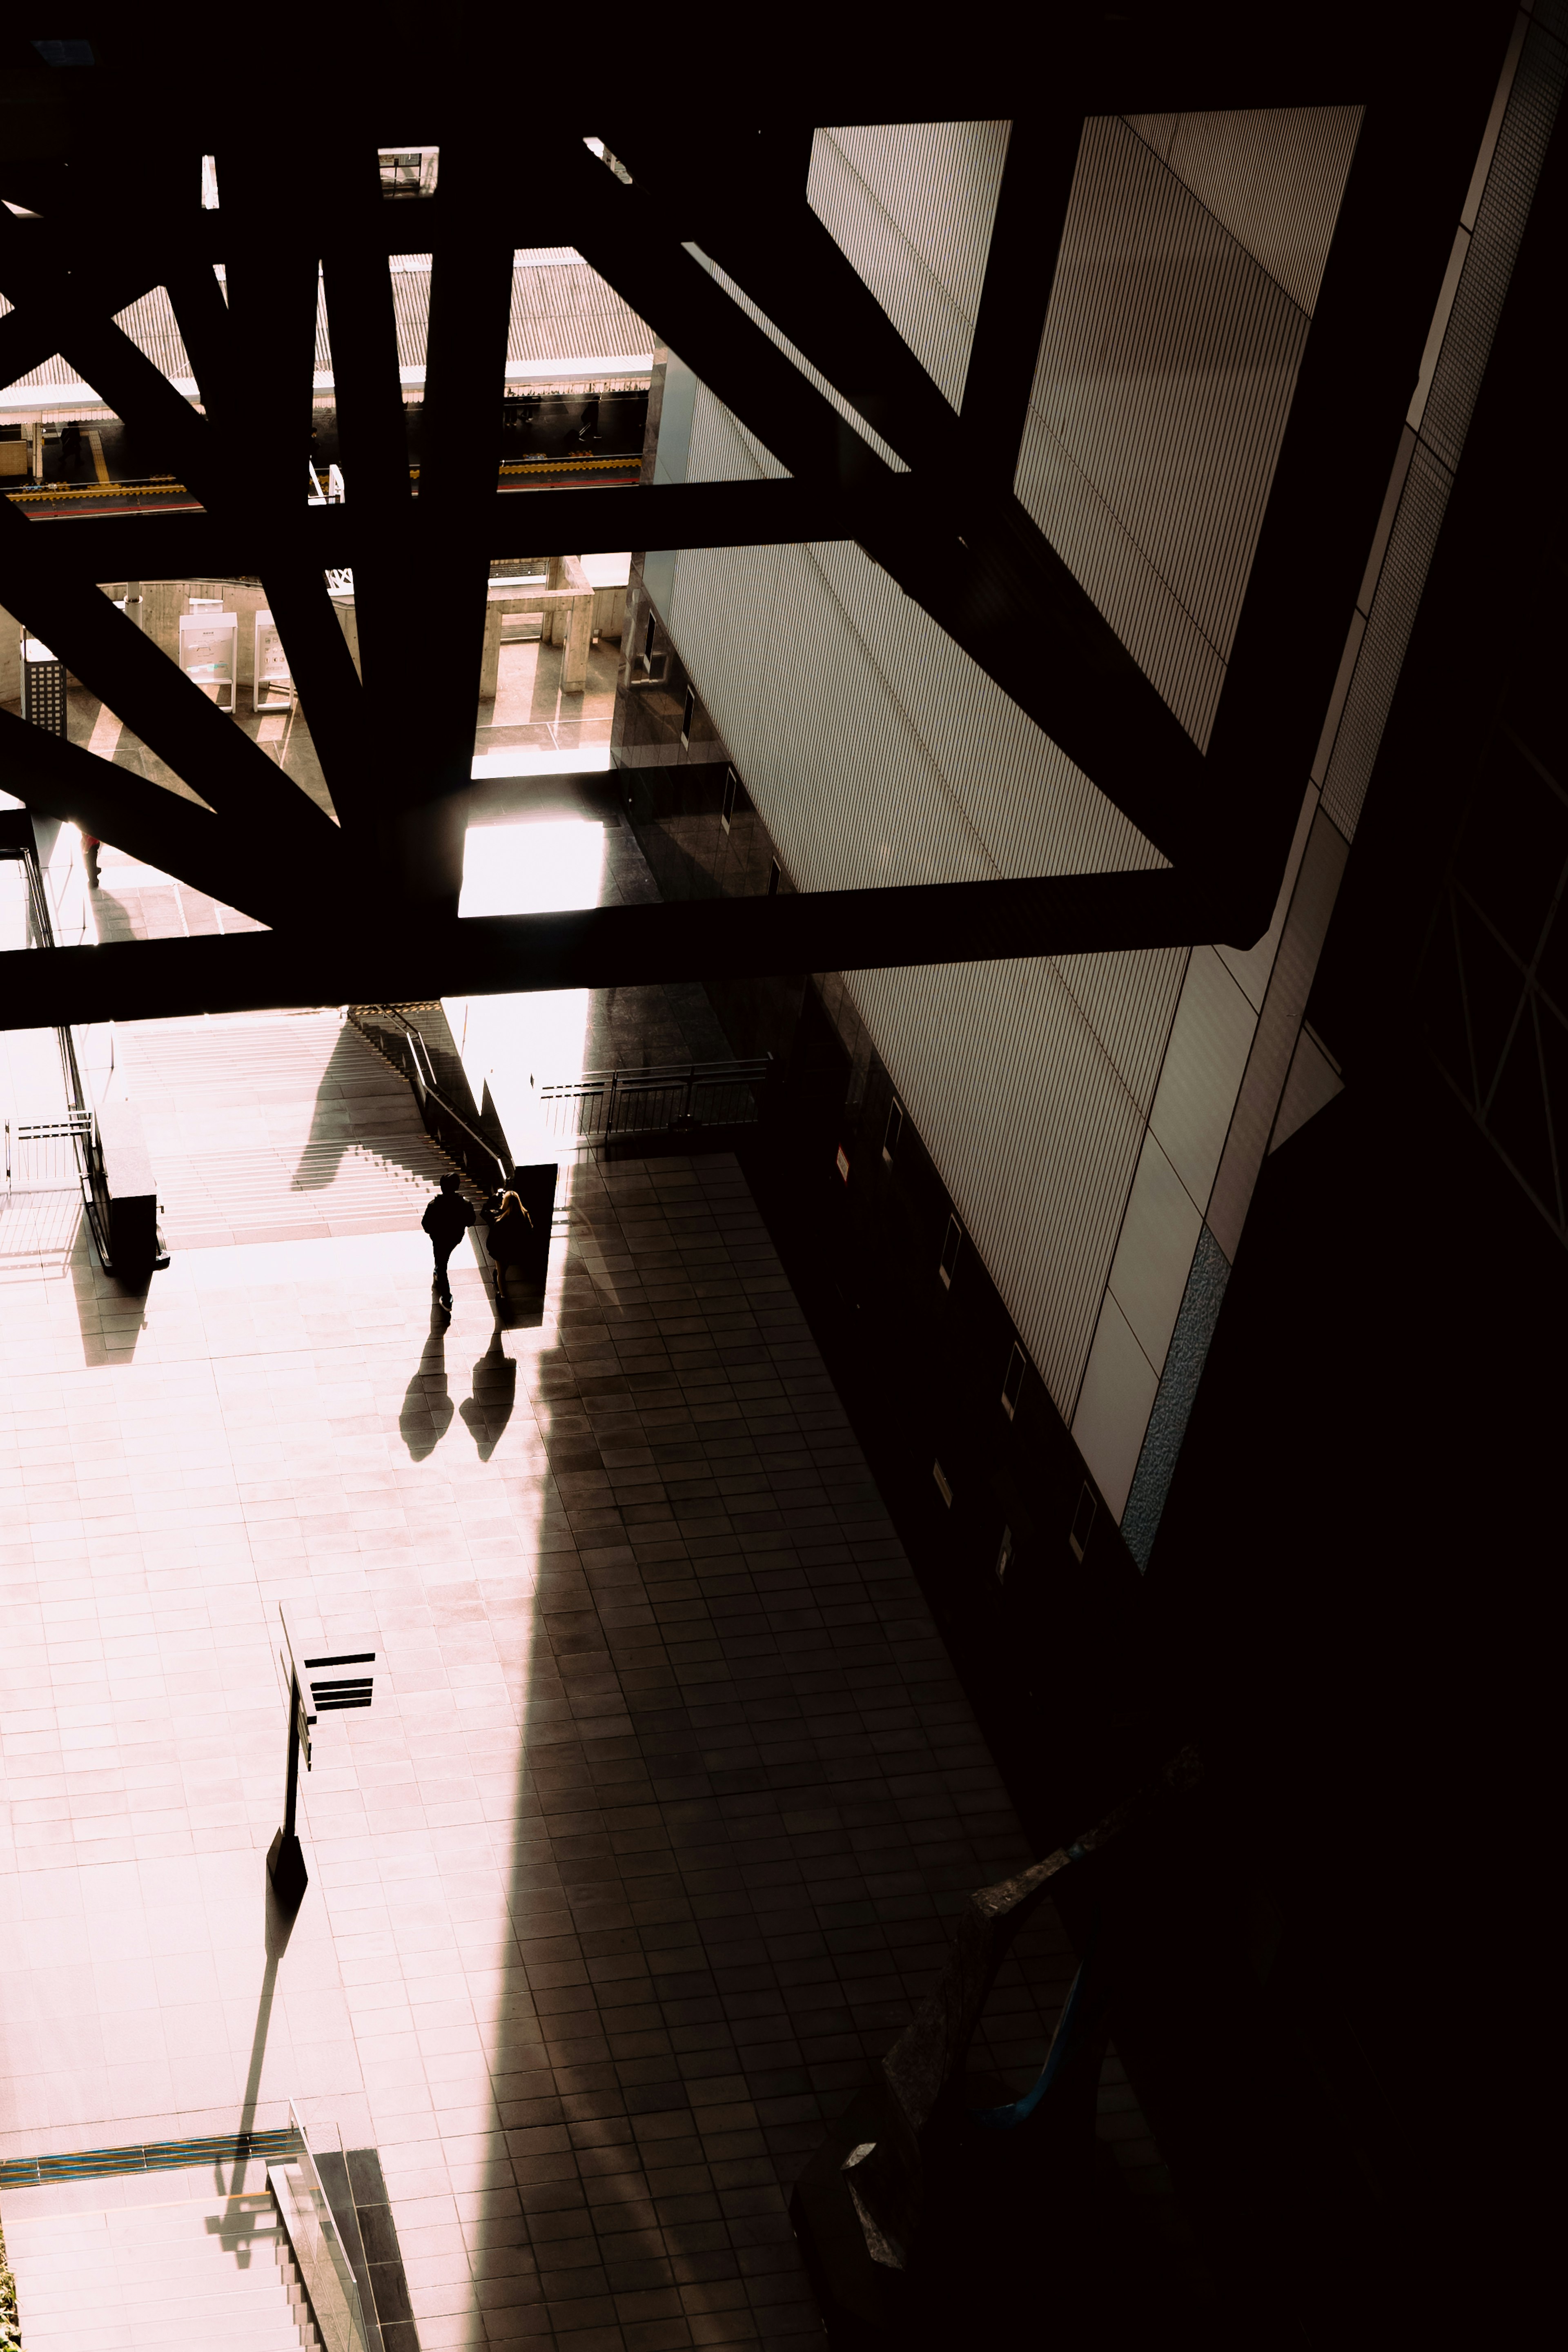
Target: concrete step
212, 2273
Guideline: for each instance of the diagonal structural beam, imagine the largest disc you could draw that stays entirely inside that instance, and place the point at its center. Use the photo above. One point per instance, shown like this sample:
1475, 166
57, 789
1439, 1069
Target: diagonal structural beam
116, 805
604, 947
1067, 668
145, 689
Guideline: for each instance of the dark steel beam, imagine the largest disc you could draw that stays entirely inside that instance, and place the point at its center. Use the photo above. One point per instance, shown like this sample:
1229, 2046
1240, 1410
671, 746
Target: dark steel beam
118, 805
604, 947
144, 688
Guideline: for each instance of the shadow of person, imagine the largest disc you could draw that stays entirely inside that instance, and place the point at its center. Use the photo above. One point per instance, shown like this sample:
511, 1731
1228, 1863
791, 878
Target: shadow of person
487, 1411
426, 1414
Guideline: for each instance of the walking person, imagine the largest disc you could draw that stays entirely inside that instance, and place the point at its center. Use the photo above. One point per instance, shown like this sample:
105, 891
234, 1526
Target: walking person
447, 1219
507, 1236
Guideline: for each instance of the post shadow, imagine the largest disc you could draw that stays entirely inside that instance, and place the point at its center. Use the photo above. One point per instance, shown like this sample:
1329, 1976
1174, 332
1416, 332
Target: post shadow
427, 1408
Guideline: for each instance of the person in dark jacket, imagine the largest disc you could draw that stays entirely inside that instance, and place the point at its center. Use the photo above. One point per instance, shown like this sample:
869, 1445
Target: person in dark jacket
447, 1219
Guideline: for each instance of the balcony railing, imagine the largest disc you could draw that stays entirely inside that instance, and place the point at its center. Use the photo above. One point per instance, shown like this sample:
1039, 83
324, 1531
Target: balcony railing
676, 1098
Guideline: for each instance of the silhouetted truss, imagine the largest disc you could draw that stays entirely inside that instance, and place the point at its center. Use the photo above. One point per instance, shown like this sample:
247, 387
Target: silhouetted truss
367, 908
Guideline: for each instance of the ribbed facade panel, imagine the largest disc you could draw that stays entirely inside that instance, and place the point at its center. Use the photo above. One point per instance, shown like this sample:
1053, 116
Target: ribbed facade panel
842, 693
1030, 1128
559, 309
150, 323
1165, 374
1526, 130
877, 752
911, 206
1154, 130
1275, 178
1107, 561
797, 358
1410, 546
1129, 1002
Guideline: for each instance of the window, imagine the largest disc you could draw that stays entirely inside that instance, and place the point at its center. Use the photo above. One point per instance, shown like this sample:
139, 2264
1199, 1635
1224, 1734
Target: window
686, 719
1013, 1380
1083, 1521
774, 879
944, 1486
895, 1129
732, 781
952, 1242
1004, 1555
407, 171
842, 1163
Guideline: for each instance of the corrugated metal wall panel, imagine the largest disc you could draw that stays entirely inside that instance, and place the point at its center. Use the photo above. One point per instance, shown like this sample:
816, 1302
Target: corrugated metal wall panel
912, 205
1106, 560
150, 323
1410, 546
1030, 1128
560, 312
1527, 127
1154, 130
1129, 1002
1275, 178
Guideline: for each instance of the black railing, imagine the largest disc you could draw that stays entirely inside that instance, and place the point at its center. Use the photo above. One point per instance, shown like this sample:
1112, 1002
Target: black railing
405, 1048
678, 1097
79, 1127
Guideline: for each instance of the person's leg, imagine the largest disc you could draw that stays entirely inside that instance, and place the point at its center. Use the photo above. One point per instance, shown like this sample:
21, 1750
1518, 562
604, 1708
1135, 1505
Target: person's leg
443, 1280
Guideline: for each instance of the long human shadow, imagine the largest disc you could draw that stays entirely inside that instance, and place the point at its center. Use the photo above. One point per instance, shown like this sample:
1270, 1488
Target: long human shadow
487, 1411
427, 1414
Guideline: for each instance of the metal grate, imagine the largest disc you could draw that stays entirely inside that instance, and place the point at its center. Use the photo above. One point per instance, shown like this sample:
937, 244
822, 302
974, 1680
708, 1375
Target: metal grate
148, 2156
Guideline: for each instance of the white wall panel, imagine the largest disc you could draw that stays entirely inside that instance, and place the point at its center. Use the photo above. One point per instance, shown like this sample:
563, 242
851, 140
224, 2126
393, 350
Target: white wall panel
911, 206
1030, 1127
1164, 381
1210, 1040
1113, 1408
1275, 178
1154, 1252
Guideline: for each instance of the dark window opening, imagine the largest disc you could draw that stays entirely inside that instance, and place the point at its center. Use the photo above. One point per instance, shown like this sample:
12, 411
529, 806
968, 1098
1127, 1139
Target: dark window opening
895, 1129
1013, 1380
647, 642
1004, 1555
686, 719
774, 879
952, 1242
730, 781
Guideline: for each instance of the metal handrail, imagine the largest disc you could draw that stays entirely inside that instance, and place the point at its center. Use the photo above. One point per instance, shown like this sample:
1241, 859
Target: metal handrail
608, 1103
83, 1120
422, 1076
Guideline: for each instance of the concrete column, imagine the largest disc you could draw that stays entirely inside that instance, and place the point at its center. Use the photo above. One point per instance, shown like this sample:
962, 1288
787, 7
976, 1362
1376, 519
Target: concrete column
10, 659
580, 638
490, 660
577, 620
557, 619
164, 606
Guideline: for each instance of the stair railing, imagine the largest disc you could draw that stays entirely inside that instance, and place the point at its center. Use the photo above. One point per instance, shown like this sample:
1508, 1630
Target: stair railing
81, 1121
318, 2246
450, 1128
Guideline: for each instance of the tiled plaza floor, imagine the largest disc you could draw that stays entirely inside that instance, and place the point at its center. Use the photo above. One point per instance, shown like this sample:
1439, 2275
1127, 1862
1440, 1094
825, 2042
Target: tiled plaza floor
649, 1840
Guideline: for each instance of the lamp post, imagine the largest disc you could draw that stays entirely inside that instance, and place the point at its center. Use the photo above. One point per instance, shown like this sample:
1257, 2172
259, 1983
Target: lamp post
285, 1862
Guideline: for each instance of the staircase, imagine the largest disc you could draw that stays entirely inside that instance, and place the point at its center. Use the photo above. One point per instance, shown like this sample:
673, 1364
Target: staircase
276, 1126
209, 2274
